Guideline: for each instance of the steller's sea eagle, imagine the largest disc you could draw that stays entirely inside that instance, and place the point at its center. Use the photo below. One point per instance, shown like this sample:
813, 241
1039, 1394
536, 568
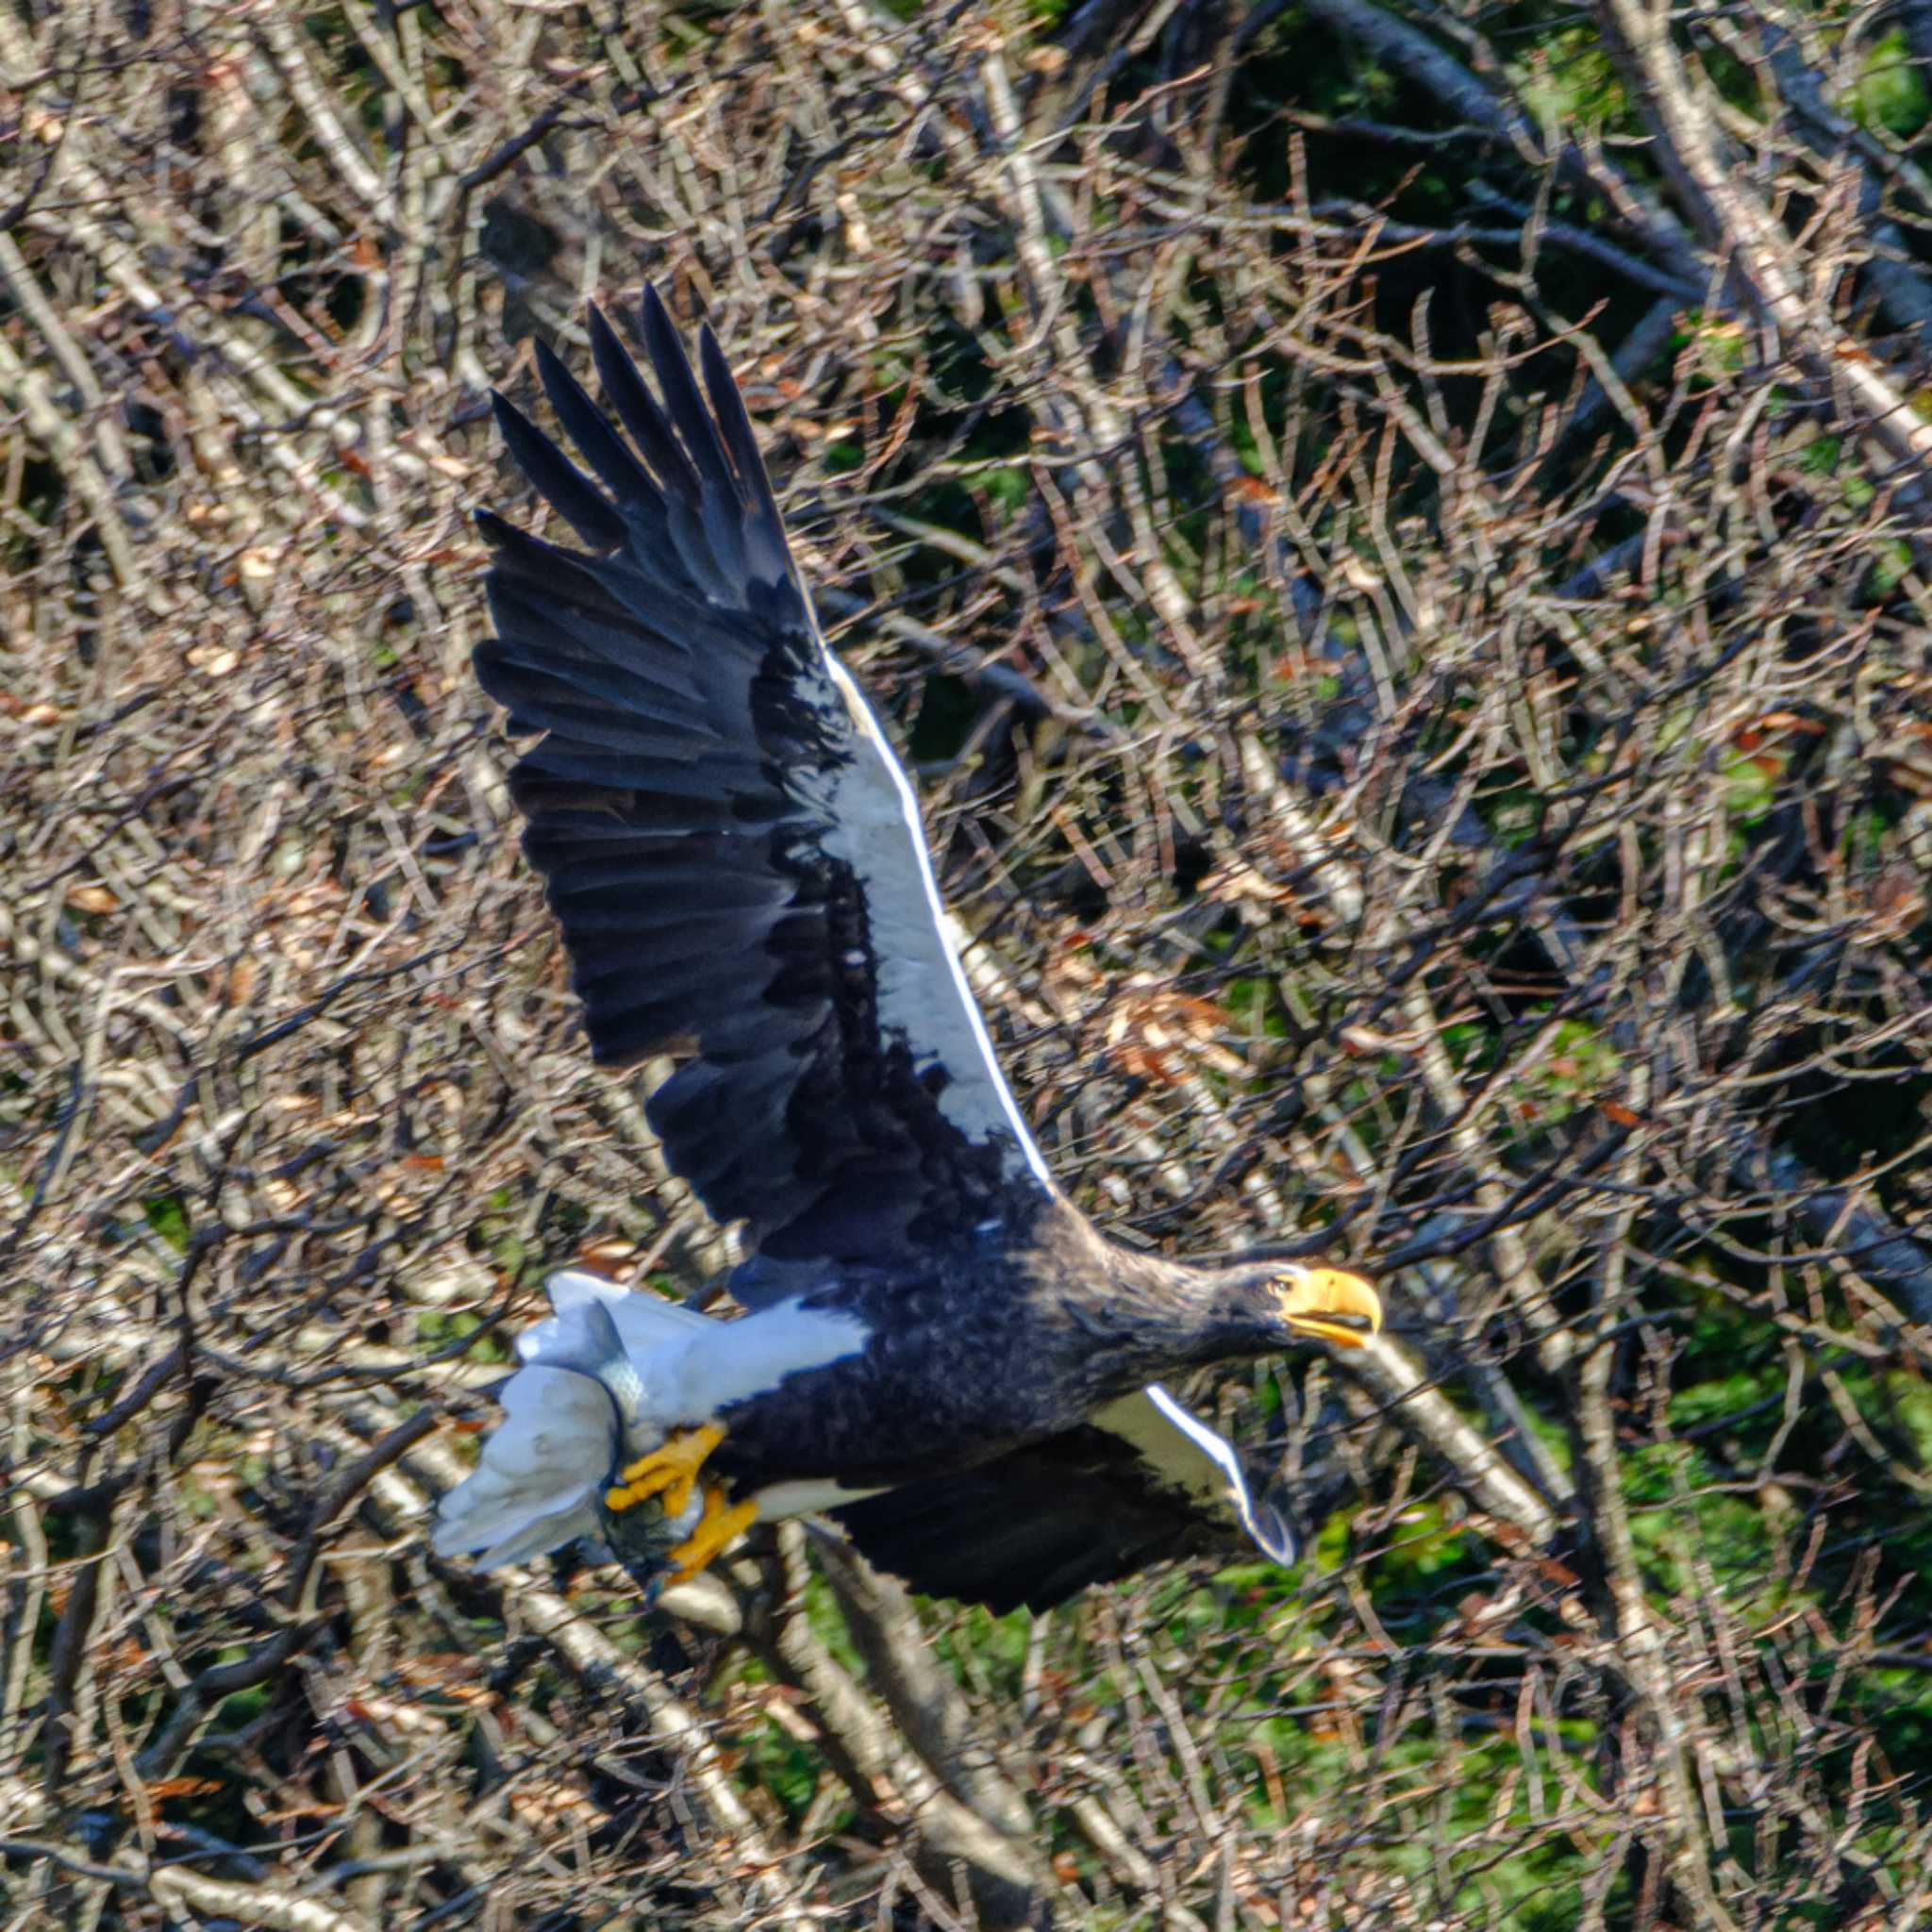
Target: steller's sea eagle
940, 1351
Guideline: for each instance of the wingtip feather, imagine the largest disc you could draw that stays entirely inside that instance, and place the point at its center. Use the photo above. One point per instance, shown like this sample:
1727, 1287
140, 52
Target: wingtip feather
556, 478
685, 405
639, 411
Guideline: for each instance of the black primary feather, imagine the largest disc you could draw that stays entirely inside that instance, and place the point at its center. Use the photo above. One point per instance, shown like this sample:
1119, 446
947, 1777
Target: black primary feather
722, 833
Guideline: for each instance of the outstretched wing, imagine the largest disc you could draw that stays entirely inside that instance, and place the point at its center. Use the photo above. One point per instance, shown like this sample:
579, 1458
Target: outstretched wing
730, 847
1144, 1482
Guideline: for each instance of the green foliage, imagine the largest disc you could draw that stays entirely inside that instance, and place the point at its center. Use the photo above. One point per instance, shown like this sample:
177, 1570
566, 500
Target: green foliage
1751, 785
1567, 79
167, 1214
1890, 92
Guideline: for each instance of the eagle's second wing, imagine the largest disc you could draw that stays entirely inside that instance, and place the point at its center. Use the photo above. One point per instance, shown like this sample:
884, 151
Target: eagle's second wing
1144, 1481
731, 848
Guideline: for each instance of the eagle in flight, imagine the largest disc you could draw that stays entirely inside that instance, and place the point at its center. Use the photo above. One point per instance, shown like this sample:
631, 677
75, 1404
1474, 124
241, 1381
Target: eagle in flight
937, 1349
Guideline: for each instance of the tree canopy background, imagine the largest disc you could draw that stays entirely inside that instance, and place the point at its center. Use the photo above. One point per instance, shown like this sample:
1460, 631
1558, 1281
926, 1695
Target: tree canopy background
1393, 537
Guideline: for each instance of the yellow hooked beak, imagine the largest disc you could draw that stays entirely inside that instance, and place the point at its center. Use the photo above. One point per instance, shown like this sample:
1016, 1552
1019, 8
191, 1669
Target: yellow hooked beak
1330, 1305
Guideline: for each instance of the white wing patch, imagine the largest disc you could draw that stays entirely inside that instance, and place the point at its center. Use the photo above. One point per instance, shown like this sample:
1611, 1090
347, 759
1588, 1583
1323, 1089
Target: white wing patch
874, 826
1196, 1459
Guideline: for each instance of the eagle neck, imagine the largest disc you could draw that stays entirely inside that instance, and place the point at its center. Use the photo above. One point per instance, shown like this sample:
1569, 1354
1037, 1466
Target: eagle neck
1141, 1317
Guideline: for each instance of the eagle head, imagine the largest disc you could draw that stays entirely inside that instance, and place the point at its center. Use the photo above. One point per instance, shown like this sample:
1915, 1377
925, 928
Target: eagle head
1313, 1302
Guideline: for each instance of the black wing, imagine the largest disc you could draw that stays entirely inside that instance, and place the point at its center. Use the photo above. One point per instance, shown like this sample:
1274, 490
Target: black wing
1145, 1481
730, 847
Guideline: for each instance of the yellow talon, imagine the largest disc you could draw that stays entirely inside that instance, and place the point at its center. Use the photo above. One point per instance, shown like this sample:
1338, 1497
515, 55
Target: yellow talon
723, 1523
671, 1470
